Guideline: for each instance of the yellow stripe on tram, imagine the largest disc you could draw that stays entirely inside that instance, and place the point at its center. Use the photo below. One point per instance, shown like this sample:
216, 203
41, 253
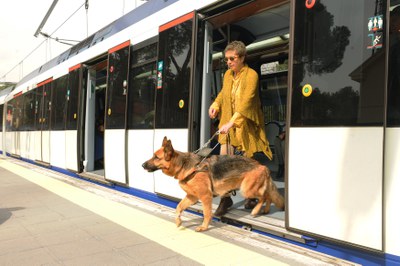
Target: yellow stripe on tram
183, 241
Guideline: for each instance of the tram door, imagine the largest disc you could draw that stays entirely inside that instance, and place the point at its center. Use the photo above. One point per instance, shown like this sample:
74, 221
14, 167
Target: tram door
115, 118
42, 110
335, 153
74, 133
175, 114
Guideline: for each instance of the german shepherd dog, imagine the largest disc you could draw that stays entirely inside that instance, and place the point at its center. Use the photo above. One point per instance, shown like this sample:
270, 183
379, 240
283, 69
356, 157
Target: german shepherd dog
202, 179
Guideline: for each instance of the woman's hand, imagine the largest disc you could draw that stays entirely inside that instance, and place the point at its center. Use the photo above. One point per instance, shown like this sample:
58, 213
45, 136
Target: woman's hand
225, 128
212, 113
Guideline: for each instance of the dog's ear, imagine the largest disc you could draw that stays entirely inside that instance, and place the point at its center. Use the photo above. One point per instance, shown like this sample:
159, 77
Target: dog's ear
168, 150
164, 142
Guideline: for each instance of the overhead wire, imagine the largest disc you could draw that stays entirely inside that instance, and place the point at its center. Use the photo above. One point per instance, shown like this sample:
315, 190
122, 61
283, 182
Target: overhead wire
47, 36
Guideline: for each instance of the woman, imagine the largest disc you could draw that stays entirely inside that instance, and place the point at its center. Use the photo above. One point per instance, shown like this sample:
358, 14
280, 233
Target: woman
239, 108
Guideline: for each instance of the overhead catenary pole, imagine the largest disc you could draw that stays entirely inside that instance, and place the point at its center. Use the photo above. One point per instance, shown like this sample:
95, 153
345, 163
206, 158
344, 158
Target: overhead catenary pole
45, 18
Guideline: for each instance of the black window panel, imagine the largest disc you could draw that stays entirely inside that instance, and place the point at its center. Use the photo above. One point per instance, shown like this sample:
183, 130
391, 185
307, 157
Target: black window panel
144, 55
142, 88
58, 103
72, 99
38, 108
29, 111
117, 87
9, 115
333, 52
393, 98
18, 105
1, 117
46, 115
173, 80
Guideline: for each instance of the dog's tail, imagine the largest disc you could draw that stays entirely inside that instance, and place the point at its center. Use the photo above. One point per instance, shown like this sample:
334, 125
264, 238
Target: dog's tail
276, 197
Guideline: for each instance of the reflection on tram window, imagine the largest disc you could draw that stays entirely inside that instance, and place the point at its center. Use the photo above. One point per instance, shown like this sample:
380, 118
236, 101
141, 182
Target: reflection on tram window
117, 88
1, 117
334, 55
29, 111
142, 88
393, 99
58, 103
172, 95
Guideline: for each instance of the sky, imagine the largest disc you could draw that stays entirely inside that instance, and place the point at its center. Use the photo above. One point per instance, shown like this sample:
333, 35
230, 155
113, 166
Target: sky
21, 52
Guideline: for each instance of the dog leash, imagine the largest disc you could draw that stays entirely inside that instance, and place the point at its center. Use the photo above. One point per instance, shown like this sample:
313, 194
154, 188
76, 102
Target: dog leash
207, 143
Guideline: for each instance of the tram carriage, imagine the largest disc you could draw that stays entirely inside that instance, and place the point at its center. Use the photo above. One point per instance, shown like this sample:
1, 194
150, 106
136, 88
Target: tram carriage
101, 108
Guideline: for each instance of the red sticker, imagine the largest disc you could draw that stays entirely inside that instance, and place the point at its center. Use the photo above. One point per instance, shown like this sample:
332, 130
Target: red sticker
310, 3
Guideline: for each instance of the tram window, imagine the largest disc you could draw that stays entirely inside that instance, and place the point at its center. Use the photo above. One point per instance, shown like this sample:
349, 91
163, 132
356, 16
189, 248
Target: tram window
172, 94
29, 111
58, 103
9, 115
72, 100
142, 88
1, 117
116, 88
338, 71
393, 98
17, 113
38, 107
46, 106
273, 96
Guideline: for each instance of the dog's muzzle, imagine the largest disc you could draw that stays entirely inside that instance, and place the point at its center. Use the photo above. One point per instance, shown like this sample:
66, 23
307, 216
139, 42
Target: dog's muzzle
149, 167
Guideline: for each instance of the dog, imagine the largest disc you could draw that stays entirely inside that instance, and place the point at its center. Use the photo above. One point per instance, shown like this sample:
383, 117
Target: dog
203, 178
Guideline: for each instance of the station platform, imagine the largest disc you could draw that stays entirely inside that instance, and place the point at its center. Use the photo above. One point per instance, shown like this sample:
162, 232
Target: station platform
48, 218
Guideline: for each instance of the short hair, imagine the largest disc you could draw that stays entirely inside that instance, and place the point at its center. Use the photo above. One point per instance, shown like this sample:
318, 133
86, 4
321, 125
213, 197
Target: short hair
238, 47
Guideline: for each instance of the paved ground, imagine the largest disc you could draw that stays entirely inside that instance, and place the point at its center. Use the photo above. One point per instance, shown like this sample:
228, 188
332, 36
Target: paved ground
51, 219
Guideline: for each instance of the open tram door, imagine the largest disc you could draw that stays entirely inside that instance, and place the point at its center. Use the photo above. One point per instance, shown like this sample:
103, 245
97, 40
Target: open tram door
115, 114
336, 121
75, 118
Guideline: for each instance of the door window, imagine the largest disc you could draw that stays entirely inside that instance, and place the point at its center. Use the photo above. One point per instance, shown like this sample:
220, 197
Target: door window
338, 63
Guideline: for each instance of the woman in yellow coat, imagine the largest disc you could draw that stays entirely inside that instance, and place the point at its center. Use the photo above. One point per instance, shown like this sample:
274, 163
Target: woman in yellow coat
239, 108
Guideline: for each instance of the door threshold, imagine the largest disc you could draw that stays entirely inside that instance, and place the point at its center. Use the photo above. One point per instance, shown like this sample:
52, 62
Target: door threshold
262, 223
42, 163
95, 178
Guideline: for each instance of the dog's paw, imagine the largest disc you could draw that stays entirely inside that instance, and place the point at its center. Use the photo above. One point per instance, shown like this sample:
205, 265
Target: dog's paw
201, 228
178, 222
255, 213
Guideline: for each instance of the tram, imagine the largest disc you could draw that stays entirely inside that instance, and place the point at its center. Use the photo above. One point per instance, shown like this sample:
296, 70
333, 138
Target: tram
327, 76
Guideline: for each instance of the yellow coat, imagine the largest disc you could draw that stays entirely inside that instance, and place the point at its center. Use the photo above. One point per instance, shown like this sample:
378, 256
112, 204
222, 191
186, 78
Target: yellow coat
248, 133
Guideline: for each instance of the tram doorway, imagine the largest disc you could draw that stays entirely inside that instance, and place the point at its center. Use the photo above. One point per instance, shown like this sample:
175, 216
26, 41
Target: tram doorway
267, 53
94, 123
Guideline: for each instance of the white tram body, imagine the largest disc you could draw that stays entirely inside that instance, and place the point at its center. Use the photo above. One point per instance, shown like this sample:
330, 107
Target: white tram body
153, 73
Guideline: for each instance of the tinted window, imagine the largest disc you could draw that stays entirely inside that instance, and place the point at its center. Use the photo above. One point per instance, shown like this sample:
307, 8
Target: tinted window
117, 87
142, 88
72, 99
17, 113
46, 106
335, 54
58, 103
393, 99
38, 107
1, 117
29, 111
173, 77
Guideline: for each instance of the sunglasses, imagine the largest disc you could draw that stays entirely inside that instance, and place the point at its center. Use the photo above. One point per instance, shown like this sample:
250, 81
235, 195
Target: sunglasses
230, 58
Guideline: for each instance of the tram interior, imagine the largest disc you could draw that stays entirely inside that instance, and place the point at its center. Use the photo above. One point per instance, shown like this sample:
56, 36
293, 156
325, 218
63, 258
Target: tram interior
99, 119
266, 35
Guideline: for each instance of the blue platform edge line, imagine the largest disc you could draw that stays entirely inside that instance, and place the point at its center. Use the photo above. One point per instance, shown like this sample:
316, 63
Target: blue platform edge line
362, 257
